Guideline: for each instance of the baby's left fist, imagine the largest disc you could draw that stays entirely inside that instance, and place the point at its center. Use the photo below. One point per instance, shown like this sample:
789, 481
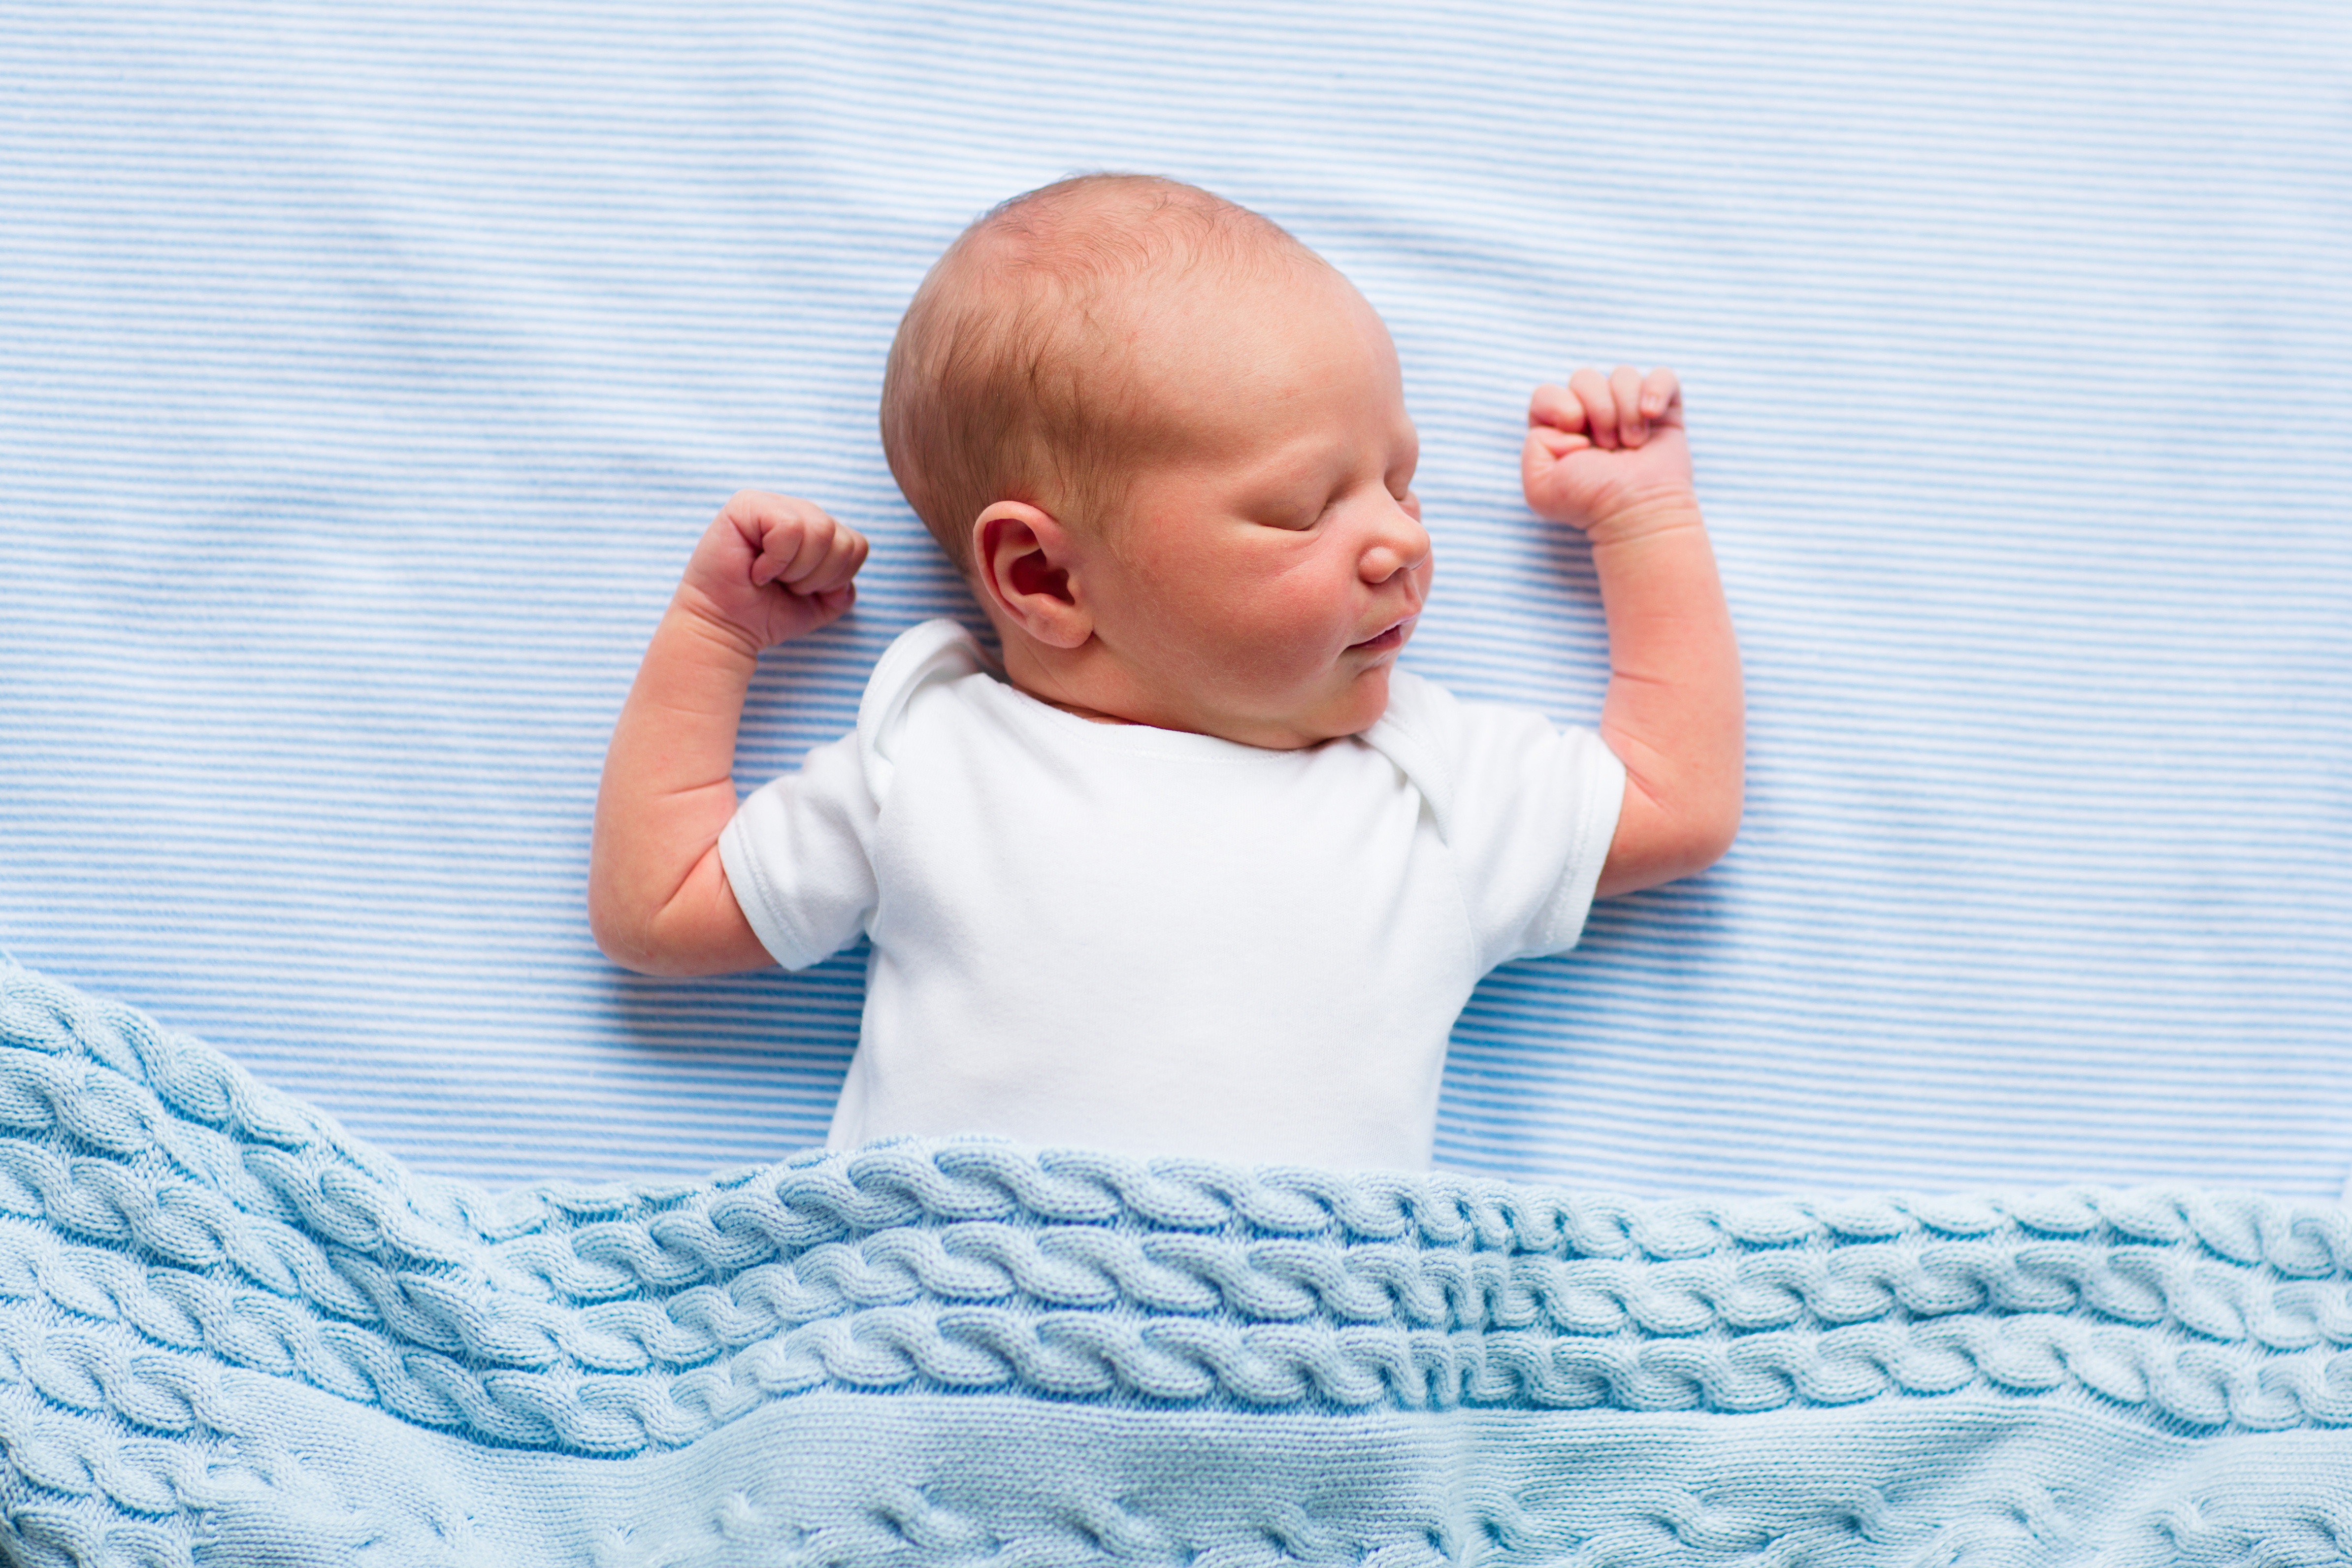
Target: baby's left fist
772, 567
1605, 447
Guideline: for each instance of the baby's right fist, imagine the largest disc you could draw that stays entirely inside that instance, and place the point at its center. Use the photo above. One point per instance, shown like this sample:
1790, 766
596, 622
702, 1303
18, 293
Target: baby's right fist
772, 567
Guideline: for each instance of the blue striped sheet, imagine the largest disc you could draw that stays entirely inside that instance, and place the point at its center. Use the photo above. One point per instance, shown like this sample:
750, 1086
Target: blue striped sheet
365, 376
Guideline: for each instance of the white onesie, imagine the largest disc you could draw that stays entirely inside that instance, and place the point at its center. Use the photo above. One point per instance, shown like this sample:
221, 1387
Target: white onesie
1152, 941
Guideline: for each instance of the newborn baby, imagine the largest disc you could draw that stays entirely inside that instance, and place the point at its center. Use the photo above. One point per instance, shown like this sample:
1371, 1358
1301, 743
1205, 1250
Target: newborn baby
1192, 868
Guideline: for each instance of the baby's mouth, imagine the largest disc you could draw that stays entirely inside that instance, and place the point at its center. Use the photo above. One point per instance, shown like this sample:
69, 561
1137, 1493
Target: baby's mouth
1393, 637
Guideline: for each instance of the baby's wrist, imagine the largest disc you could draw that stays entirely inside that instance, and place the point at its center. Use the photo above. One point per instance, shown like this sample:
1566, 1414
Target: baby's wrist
723, 638
1647, 517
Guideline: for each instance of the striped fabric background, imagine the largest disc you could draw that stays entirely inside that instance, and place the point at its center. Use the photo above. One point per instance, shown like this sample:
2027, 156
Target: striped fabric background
367, 373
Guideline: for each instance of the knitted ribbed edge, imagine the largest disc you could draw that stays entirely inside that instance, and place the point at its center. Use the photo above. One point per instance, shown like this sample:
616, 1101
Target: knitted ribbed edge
842, 1479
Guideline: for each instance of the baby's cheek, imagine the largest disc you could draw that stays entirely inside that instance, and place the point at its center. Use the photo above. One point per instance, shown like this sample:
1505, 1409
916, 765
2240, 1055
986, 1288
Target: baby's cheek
1294, 623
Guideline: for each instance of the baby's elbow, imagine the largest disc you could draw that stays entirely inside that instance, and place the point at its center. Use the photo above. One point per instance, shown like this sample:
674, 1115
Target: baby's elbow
1704, 806
624, 937
612, 937
1698, 843
1715, 827
1661, 841
676, 941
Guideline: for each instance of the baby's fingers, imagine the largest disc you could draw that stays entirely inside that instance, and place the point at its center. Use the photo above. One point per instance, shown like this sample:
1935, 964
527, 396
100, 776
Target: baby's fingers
780, 547
775, 529
1542, 462
834, 603
1626, 393
793, 547
829, 574
1662, 397
1592, 391
1554, 407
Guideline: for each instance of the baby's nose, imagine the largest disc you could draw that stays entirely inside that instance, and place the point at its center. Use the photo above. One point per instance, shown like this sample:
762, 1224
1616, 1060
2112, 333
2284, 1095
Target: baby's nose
1401, 545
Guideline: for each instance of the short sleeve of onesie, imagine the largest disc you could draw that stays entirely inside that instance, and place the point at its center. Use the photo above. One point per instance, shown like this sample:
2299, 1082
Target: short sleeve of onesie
795, 855
799, 851
1527, 810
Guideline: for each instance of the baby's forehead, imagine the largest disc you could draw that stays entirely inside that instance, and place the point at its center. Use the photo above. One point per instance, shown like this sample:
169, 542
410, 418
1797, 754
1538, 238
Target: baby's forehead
1110, 310
1167, 348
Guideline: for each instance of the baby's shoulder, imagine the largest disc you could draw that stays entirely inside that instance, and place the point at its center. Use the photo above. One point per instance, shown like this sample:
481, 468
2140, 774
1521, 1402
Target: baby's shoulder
1434, 715
927, 654
1468, 753
925, 661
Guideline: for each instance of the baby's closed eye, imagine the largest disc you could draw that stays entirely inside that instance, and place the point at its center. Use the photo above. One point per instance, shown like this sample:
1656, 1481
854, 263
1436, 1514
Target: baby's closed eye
1293, 513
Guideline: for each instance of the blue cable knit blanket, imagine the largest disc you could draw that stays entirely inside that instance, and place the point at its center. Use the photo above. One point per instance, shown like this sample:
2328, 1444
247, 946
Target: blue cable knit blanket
229, 1333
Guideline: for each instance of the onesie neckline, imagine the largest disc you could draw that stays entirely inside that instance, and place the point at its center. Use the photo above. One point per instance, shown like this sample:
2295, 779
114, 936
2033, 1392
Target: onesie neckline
1143, 740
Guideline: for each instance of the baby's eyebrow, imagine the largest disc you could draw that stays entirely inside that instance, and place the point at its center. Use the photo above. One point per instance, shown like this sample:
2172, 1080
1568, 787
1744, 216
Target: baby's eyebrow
1312, 461
1298, 466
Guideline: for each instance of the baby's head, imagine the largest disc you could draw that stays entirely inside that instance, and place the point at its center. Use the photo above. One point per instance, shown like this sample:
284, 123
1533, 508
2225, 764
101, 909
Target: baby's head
1167, 444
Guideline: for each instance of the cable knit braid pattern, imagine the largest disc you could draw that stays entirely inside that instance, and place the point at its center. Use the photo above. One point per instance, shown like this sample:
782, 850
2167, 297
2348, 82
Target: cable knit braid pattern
231, 1333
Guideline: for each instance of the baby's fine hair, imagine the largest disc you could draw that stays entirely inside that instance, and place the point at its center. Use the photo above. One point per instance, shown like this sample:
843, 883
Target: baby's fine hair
1009, 378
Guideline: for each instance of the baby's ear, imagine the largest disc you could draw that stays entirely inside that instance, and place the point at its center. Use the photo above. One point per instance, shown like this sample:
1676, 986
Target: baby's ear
1022, 557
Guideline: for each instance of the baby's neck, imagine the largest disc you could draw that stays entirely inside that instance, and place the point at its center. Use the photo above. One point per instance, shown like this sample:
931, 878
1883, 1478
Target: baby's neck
1090, 715
1049, 676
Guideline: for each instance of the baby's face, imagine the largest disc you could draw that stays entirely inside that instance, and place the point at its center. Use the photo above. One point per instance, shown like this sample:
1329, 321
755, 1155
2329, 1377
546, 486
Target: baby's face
1260, 583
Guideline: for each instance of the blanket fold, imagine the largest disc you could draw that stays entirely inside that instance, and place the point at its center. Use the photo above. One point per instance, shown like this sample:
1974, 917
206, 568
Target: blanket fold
231, 1333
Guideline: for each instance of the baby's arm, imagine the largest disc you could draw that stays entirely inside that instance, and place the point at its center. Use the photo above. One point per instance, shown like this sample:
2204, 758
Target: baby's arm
768, 568
1608, 455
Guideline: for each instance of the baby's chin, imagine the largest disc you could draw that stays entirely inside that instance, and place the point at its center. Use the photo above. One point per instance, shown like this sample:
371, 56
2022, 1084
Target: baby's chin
1329, 715
1352, 710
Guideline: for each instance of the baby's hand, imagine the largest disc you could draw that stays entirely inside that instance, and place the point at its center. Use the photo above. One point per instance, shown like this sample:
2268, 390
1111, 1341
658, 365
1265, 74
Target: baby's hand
772, 567
1605, 447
